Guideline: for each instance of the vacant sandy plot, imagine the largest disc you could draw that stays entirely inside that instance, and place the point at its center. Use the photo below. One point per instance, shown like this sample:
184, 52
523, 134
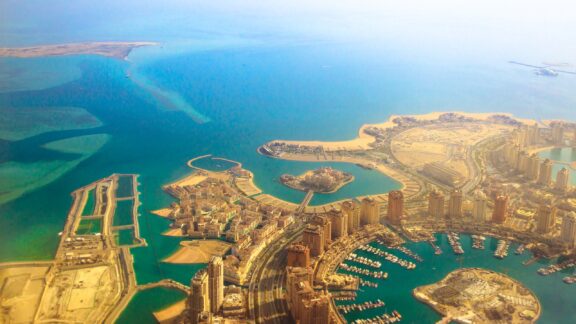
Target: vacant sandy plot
442, 143
21, 288
199, 251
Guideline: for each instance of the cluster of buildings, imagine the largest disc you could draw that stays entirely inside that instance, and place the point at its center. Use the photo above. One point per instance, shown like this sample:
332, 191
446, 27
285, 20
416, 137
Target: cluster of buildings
215, 209
209, 300
325, 179
324, 228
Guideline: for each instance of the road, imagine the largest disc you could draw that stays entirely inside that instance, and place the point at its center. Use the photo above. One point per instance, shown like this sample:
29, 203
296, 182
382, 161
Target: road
265, 299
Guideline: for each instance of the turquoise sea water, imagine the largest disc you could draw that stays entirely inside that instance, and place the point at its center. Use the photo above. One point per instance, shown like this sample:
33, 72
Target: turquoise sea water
225, 94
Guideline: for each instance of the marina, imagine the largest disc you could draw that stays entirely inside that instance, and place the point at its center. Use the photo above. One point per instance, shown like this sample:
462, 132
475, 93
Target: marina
365, 261
361, 307
454, 240
365, 272
502, 249
388, 256
553, 268
478, 242
387, 318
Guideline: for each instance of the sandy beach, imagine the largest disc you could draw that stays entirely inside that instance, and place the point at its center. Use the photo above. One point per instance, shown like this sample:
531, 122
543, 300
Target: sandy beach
119, 50
362, 141
164, 212
170, 314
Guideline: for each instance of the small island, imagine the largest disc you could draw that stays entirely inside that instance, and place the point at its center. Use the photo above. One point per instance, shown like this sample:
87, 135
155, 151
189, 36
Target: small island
474, 295
322, 180
119, 50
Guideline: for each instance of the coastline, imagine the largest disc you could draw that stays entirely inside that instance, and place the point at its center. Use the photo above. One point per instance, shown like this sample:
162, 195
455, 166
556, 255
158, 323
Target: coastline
363, 140
119, 50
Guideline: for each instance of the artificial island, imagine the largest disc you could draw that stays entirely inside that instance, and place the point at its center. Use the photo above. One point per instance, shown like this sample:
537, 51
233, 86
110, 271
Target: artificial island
274, 261
480, 296
322, 180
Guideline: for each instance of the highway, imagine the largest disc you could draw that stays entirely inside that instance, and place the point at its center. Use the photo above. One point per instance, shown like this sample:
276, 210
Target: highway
265, 299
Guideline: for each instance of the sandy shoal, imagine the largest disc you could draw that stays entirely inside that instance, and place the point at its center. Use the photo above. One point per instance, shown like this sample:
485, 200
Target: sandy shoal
170, 314
164, 212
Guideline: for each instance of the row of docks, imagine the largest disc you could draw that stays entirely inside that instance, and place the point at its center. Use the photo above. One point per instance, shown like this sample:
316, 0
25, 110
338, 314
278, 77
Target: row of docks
367, 283
387, 318
502, 249
344, 295
361, 306
388, 256
409, 253
553, 268
478, 242
365, 261
520, 250
437, 249
365, 272
454, 241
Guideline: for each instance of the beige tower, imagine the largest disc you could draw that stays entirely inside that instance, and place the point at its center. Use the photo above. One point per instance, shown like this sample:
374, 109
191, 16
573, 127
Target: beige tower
314, 238
216, 283
455, 204
523, 160
533, 167
352, 210
479, 209
545, 218
339, 223
558, 134
545, 176
395, 206
298, 255
563, 180
500, 209
370, 211
436, 204
199, 300
568, 232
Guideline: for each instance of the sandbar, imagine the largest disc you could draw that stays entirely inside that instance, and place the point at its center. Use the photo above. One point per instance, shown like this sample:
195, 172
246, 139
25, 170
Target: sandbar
119, 50
171, 313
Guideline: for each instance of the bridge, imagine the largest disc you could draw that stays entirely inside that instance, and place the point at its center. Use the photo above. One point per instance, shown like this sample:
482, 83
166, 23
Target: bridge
305, 202
167, 283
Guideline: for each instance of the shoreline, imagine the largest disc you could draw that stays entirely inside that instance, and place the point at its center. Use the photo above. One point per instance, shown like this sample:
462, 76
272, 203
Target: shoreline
419, 294
362, 140
118, 50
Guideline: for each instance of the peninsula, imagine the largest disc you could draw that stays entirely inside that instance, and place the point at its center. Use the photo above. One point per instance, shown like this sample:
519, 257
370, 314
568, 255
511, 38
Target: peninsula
119, 50
480, 296
322, 180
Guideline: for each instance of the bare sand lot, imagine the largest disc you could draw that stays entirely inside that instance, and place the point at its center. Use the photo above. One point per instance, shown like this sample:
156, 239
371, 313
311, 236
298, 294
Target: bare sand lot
447, 143
198, 251
20, 292
118, 50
